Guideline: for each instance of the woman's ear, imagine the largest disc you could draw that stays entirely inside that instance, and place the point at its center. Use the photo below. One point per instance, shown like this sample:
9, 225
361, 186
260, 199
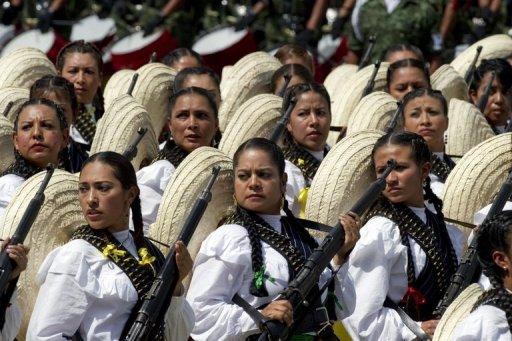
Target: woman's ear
473, 96
284, 181
425, 170
502, 260
133, 193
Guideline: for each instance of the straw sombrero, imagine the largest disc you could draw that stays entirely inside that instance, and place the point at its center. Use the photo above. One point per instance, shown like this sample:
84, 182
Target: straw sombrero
117, 85
372, 113
17, 96
250, 76
257, 117
342, 177
118, 128
347, 96
495, 46
457, 311
225, 80
337, 77
187, 183
467, 127
450, 83
6, 145
477, 178
59, 216
22, 67
153, 90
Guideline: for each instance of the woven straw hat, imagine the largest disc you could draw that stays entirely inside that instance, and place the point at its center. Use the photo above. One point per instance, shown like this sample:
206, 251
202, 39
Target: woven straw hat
250, 77
457, 311
59, 216
118, 127
6, 145
337, 77
153, 89
347, 96
342, 177
495, 46
467, 127
17, 96
450, 83
117, 85
225, 80
257, 117
187, 183
477, 178
372, 113
23, 67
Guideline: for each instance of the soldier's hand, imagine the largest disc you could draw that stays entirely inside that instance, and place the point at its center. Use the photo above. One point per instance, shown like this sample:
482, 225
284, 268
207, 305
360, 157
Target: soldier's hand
246, 21
18, 253
150, 26
306, 38
337, 26
280, 310
44, 21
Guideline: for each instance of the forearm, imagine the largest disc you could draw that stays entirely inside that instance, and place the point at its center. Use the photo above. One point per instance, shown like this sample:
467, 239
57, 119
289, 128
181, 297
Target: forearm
448, 20
171, 6
56, 5
317, 14
346, 8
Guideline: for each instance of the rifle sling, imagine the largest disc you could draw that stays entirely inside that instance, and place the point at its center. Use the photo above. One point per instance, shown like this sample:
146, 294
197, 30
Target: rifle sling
254, 313
409, 322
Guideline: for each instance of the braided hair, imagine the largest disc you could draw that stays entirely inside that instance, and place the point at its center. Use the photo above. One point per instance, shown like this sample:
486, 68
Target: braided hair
175, 55
495, 235
124, 172
414, 63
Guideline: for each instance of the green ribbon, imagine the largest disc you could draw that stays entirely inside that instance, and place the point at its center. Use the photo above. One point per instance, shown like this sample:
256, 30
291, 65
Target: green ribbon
336, 300
260, 276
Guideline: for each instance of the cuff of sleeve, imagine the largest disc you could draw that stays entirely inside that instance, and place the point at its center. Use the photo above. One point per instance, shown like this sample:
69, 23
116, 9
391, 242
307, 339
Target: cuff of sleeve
247, 325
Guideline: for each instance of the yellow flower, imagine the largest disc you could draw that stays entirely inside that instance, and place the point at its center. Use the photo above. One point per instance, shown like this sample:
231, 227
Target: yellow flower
111, 251
302, 199
145, 256
301, 162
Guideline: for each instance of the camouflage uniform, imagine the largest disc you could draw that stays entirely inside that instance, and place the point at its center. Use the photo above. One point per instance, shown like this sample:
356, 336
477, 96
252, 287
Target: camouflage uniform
412, 21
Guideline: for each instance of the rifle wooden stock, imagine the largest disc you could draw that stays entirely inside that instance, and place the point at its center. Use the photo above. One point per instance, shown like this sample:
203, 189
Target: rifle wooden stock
469, 267
278, 131
131, 151
367, 53
301, 286
482, 102
371, 82
157, 300
468, 77
393, 122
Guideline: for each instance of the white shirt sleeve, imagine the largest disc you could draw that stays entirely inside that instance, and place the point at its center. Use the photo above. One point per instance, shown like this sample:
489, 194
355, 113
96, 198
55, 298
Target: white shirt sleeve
13, 318
377, 268
480, 215
179, 319
294, 184
436, 185
152, 181
9, 184
485, 323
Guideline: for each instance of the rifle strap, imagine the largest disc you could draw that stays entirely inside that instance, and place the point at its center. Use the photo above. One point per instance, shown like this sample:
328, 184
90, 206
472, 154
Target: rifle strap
313, 225
172, 153
409, 322
254, 313
300, 157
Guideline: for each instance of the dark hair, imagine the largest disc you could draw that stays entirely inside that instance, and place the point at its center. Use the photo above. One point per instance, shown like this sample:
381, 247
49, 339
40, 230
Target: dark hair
198, 91
176, 54
292, 70
294, 50
420, 153
182, 76
42, 101
125, 173
500, 66
298, 89
414, 63
404, 47
270, 148
57, 84
436, 94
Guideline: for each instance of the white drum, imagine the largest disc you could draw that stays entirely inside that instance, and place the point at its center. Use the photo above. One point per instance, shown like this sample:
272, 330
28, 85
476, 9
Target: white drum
92, 29
49, 43
6, 34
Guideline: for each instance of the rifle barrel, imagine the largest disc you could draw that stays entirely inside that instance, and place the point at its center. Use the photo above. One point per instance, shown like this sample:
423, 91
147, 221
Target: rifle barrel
371, 82
8, 108
132, 84
367, 52
131, 150
468, 77
287, 79
393, 122
482, 102
278, 131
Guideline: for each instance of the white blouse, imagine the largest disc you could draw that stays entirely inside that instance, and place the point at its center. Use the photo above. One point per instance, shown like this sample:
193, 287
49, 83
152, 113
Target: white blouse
222, 268
377, 268
9, 184
13, 318
152, 181
82, 290
485, 323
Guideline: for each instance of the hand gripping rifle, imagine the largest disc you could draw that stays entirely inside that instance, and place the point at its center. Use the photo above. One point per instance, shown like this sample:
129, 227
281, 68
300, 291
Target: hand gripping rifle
468, 77
157, 300
278, 131
26, 222
393, 122
131, 151
367, 53
371, 82
306, 280
469, 268
482, 102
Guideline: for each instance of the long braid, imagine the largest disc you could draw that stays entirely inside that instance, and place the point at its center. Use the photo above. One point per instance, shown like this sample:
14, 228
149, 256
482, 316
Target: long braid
256, 261
98, 104
433, 199
138, 235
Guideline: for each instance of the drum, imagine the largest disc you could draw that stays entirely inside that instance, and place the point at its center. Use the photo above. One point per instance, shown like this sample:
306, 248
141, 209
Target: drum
6, 34
330, 54
49, 43
224, 46
133, 51
94, 30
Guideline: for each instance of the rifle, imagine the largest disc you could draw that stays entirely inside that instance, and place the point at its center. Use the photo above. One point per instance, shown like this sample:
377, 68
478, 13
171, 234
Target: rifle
468, 77
482, 102
132, 84
371, 82
287, 79
367, 52
278, 130
306, 280
131, 151
8, 108
393, 122
469, 268
157, 300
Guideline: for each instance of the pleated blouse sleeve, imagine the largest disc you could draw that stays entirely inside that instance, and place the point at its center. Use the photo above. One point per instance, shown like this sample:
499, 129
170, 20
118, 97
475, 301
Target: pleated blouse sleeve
13, 319
485, 323
9, 184
179, 320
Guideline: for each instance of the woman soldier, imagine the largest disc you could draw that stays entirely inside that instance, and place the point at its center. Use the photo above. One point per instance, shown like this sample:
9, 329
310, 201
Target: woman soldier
81, 64
425, 112
40, 135
491, 318
60, 91
406, 254
236, 258
182, 58
193, 123
92, 285
304, 141
299, 74
498, 108
406, 75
